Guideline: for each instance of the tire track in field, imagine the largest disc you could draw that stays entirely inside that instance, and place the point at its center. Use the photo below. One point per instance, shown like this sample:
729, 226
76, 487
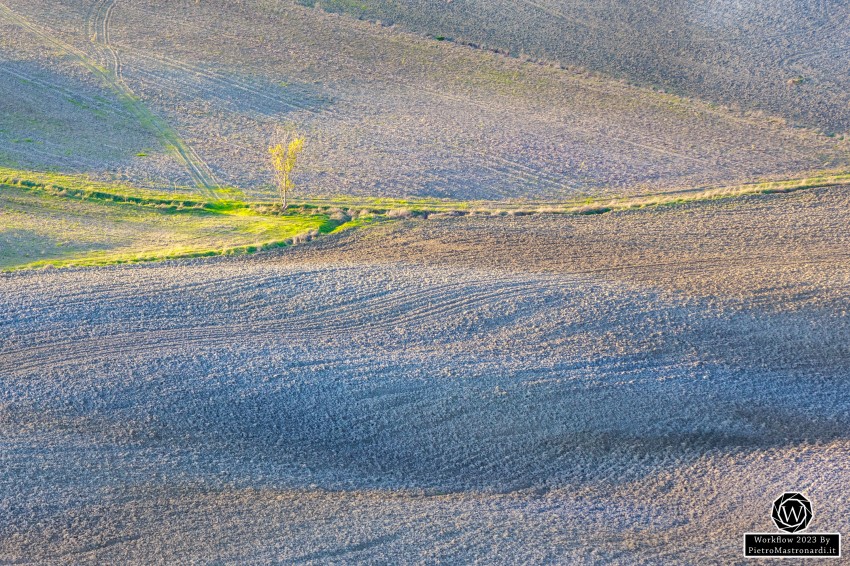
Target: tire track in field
558, 15
497, 165
222, 80
500, 166
418, 308
48, 156
440, 305
97, 30
380, 306
523, 173
803, 56
378, 311
828, 24
58, 89
381, 313
98, 21
170, 139
207, 288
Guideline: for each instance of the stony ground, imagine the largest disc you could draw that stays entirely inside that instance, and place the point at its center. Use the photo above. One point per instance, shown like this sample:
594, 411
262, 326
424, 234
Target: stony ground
385, 112
628, 388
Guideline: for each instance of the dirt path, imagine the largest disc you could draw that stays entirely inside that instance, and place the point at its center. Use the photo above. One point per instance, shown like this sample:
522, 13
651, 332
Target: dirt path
97, 29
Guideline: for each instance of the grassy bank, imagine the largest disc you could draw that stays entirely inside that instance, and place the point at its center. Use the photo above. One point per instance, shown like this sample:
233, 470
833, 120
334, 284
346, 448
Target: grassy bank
49, 219
77, 223
586, 205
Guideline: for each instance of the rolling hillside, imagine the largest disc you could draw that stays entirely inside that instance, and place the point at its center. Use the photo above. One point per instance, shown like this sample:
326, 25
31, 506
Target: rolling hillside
562, 281
386, 112
785, 57
633, 388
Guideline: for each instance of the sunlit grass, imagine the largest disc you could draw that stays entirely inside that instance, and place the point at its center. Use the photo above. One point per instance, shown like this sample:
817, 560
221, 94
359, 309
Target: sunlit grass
84, 224
62, 220
581, 205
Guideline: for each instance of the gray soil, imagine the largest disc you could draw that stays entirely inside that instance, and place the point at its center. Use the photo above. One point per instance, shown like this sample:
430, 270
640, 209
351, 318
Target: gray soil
631, 388
785, 57
385, 112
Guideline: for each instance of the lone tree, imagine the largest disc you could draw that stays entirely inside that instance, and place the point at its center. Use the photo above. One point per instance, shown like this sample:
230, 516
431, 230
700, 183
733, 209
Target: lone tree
284, 156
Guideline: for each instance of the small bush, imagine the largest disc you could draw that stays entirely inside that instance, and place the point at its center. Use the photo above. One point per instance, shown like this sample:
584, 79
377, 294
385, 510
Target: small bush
592, 209
399, 213
305, 237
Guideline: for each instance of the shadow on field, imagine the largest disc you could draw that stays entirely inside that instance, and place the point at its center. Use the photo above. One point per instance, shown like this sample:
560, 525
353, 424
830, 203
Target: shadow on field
572, 388
450, 435
56, 120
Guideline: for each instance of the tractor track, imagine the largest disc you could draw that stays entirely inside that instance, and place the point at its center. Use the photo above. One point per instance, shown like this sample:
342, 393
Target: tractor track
199, 171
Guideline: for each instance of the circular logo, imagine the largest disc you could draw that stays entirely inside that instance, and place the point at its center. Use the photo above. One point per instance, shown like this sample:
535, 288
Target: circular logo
792, 512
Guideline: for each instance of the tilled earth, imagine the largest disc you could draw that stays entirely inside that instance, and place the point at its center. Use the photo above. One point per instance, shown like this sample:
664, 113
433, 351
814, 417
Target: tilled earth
630, 388
786, 57
385, 112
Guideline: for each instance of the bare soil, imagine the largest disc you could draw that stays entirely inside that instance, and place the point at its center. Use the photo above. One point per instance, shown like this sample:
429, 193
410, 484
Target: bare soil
786, 58
633, 388
385, 112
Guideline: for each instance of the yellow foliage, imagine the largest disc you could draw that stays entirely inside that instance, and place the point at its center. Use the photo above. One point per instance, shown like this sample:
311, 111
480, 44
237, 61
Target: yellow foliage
284, 158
